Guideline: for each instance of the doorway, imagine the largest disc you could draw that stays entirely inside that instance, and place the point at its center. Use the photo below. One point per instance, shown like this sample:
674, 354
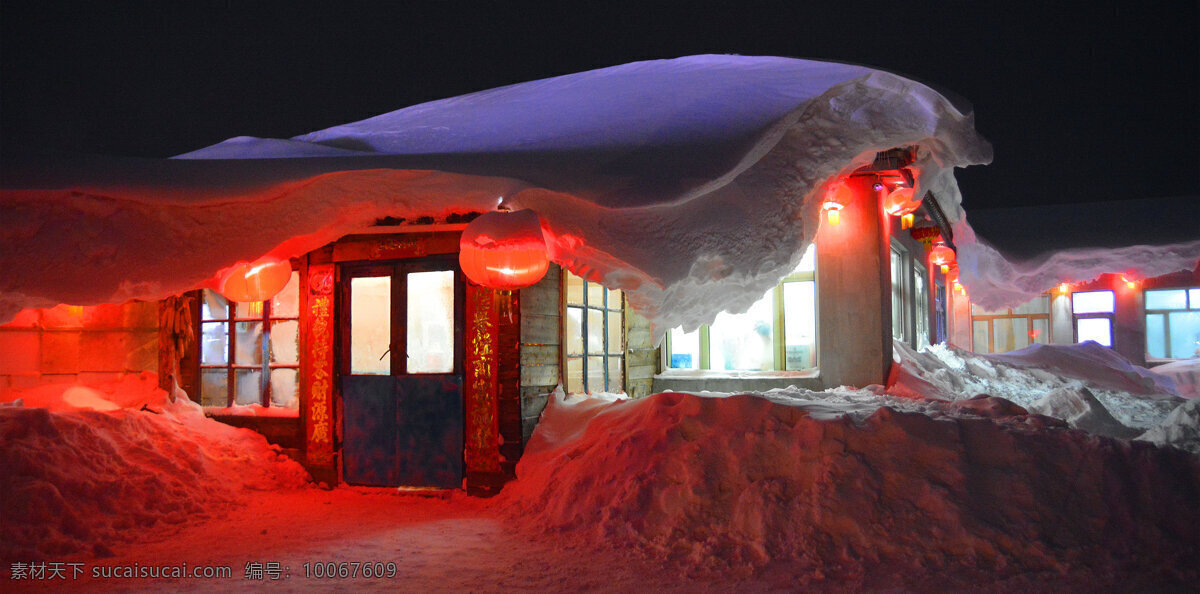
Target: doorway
401, 372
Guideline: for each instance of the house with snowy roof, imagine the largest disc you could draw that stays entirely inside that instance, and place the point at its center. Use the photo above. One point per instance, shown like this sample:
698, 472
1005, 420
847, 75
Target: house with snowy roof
704, 223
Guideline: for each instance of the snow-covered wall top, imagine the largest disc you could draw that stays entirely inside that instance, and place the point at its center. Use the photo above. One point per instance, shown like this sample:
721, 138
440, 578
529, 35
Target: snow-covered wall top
693, 183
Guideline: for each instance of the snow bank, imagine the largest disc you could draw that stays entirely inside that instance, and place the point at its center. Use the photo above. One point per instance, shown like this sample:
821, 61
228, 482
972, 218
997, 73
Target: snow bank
745, 482
1186, 375
1134, 396
1180, 429
692, 182
82, 468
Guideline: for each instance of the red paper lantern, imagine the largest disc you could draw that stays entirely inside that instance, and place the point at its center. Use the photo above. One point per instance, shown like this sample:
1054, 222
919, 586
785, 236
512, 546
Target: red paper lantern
257, 281
504, 250
952, 273
942, 256
837, 198
902, 202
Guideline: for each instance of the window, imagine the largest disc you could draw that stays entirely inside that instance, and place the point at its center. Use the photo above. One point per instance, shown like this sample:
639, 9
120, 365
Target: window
1093, 311
595, 337
920, 305
899, 255
249, 352
778, 332
1173, 323
1011, 329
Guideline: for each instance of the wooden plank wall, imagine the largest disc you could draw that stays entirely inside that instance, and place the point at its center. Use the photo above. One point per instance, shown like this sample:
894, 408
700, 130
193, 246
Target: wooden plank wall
541, 343
641, 358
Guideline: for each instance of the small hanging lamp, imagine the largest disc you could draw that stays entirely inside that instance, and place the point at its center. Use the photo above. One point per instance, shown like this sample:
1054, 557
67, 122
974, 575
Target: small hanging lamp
902, 202
504, 250
836, 198
942, 256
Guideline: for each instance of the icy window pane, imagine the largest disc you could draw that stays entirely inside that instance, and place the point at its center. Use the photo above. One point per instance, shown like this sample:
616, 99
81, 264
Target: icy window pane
574, 289
1040, 333
1040, 305
1002, 335
921, 306
595, 374
1020, 330
574, 330
283, 388
287, 303
615, 375
1156, 335
213, 306
430, 345
595, 332
248, 309
214, 387
685, 349
1097, 329
595, 295
1194, 298
214, 343
1174, 299
1092, 302
979, 336
744, 341
574, 375
285, 342
614, 299
370, 325
1185, 334
897, 295
800, 325
249, 386
616, 343
248, 350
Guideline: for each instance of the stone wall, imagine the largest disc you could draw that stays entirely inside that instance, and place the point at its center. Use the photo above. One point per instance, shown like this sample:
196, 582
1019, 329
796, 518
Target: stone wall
78, 344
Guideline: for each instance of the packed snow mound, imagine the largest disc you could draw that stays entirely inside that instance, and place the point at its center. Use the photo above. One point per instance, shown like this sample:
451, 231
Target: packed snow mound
132, 390
1079, 408
1180, 429
746, 481
1186, 375
1134, 396
81, 473
693, 184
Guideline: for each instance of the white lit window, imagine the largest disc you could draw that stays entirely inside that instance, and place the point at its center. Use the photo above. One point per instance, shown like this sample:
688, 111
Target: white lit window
1011, 329
249, 352
920, 305
898, 261
1093, 311
1173, 323
595, 337
778, 332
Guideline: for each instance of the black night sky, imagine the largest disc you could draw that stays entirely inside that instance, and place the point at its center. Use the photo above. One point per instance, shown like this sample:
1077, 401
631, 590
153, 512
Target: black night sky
1097, 103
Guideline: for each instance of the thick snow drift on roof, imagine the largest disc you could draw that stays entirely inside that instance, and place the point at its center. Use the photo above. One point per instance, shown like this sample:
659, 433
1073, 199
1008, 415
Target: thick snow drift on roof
745, 482
1136, 397
692, 182
84, 467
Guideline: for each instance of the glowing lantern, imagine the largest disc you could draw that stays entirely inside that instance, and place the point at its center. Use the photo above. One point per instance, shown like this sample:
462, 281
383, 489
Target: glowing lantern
504, 250
837, 198
926, 235
257, 281
902, 202
952, 274
942, 256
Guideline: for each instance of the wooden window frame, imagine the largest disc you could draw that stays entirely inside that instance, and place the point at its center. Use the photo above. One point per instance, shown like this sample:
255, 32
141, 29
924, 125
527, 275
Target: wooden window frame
583, 329
1010, 315
1189, 306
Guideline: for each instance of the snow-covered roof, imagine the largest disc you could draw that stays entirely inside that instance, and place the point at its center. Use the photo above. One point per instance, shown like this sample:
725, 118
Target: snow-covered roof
691, 183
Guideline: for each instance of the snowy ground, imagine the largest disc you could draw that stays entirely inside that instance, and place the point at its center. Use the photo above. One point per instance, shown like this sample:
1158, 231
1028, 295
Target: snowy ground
848, 489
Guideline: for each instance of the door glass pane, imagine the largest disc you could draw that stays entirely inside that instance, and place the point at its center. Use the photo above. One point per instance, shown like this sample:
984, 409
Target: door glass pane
370, 325
1185, 334
685, 349
287, 303
214, 387
575, 375
285, 342
1092, 302
615, 375
979, 336
574, 330
800, 325
248, 350
1174, 299
595, 375
615, 344
249, 386
1040, 333
214, 343
1097, 329
744, 341
431, 322
1156, 330
283, 388
595, 331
